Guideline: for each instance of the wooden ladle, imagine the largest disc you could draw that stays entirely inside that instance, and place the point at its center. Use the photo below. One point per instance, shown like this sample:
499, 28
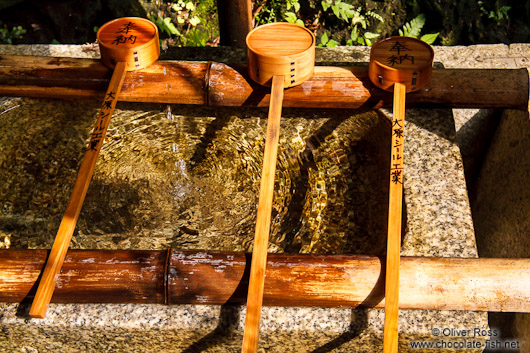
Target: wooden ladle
401, 65
126, 44
279, 55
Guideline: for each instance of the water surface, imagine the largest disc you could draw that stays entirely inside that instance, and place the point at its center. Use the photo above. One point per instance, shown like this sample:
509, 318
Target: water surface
188, 177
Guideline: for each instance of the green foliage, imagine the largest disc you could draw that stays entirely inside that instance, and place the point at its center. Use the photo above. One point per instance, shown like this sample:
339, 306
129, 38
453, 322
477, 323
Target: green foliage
429, 38
498, 13
278, 11
8, 35
356, 19
165, 25
326, 42
414, 27
187, 23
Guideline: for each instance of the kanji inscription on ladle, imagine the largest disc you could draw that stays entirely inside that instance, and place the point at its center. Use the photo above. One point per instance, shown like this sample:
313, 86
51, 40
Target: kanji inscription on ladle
121, 39
401, 65
399, 58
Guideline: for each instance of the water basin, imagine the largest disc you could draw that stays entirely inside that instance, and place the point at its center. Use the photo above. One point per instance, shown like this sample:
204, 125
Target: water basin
188, 177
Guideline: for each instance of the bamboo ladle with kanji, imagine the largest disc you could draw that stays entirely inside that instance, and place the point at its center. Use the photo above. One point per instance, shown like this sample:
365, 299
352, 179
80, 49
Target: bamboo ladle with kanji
126, 44
401, 65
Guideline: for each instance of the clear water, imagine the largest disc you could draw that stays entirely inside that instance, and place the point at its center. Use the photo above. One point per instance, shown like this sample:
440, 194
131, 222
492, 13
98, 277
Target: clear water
188, 177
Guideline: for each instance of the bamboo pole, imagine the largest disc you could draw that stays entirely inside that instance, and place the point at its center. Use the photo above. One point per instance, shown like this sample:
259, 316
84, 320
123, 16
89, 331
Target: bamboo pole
218, 84
213, 278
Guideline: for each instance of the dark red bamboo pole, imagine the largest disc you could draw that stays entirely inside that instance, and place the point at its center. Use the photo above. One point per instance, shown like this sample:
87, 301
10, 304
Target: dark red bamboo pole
235, 21
211, 277
218, 84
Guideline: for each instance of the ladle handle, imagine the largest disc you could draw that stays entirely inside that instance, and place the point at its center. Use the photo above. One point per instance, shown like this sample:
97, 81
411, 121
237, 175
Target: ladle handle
390, 338
263, 222
68, 223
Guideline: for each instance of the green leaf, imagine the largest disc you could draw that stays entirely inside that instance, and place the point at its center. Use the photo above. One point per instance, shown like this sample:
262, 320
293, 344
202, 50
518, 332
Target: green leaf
346, 11
194, 21
375, 15
413, 28
335, 10
300, 23
166, 26
354, 33
370, 35
324, 39
170, 26
325, 5
296, 6
332, 43
290, 17
190, 6
429, 38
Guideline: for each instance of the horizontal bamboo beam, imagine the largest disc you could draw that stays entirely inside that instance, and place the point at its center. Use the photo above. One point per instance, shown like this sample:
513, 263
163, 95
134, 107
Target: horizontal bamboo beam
217, 84
211, 277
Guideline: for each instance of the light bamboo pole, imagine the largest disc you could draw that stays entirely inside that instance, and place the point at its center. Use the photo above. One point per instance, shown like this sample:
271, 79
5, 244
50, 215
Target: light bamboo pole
126, 44
401, 65
206, 277
279, 55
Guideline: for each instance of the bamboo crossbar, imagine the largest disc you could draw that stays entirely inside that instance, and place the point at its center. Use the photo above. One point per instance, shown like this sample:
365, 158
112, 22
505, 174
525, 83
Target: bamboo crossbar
217, 84
210, 277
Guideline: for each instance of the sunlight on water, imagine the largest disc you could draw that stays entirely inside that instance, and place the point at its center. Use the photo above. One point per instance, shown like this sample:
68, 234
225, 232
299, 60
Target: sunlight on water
188, 177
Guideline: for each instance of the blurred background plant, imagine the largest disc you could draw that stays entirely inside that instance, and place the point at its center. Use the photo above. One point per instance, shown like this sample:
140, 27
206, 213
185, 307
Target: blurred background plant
8, 35
185, 23
334, 22
413, 29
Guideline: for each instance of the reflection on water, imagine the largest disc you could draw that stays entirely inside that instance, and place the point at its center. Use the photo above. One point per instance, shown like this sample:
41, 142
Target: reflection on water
188, 177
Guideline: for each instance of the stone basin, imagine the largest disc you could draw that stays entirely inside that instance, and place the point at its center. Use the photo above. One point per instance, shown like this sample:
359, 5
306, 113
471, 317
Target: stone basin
204, 163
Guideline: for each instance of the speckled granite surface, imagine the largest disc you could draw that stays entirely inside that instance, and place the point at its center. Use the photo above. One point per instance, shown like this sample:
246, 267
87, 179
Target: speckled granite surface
438, 224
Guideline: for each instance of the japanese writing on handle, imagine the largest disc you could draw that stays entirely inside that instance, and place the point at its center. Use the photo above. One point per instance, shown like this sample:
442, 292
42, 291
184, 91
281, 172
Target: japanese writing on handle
102, 122
398, 135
